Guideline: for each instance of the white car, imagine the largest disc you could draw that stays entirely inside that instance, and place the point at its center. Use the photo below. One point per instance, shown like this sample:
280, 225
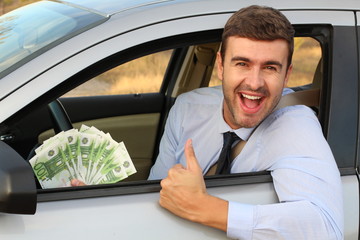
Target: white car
119, 66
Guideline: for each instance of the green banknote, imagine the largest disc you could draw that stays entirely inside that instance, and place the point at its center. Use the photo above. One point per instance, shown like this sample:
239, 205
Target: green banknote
119, 167
88, 155
109, 164
51, 168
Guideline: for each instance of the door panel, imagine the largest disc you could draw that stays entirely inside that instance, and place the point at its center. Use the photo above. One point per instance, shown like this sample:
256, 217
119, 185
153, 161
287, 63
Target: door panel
157, 223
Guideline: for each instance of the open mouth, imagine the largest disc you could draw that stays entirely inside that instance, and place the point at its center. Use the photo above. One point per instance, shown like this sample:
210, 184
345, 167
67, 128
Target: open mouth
251, 103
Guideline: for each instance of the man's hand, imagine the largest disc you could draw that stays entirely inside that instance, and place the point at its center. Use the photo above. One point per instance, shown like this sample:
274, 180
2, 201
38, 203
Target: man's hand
184, 194
77, 183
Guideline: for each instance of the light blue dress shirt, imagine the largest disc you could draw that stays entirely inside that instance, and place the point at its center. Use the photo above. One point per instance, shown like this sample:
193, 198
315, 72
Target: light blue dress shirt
289, 143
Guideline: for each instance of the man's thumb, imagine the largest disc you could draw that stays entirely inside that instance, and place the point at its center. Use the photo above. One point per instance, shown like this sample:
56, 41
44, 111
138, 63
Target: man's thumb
191, 161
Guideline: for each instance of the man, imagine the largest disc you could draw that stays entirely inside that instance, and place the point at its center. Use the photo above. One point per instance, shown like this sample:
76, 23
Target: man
254, 66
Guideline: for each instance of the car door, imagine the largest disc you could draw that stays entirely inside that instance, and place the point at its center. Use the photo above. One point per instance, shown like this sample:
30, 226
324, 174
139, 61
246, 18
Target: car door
130, 210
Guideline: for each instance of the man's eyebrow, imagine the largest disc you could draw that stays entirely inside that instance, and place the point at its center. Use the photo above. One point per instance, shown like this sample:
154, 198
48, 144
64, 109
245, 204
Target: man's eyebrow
239, 58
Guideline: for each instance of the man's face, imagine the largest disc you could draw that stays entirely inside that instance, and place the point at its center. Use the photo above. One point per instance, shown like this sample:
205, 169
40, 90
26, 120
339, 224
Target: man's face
254, 74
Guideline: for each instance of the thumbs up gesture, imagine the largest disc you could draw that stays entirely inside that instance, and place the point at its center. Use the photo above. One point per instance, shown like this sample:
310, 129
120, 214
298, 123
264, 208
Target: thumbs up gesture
184, 194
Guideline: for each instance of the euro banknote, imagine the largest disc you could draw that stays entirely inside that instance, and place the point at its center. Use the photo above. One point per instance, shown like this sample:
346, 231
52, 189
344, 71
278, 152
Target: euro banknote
87, 154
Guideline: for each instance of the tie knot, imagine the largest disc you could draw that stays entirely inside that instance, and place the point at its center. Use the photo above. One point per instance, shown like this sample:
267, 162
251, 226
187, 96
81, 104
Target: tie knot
230, 138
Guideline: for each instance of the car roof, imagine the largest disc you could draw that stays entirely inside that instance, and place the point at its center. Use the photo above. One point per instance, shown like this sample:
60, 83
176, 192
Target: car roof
111, 7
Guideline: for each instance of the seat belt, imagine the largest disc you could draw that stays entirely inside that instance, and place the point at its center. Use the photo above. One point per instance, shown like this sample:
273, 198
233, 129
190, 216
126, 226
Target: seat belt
309, 97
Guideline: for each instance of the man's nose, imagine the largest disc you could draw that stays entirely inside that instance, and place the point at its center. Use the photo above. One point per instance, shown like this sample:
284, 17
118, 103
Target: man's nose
255, 79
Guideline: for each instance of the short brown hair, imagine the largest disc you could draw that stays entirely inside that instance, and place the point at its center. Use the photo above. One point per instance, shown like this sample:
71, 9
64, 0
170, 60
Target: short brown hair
259, 23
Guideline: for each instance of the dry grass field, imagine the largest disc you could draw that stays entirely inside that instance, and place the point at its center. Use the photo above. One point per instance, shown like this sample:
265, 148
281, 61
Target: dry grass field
307, 54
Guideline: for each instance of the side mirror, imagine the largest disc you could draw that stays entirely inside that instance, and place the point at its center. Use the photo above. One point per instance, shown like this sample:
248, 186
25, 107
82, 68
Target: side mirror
17, 183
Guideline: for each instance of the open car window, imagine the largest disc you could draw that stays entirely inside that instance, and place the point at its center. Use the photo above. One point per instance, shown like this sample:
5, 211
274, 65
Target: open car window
145, 75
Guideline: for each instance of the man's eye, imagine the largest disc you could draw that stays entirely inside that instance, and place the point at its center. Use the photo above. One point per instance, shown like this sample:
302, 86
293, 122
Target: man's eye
242, 64
271, 68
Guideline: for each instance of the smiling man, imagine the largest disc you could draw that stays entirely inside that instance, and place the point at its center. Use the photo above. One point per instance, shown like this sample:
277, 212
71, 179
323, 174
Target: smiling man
254, 65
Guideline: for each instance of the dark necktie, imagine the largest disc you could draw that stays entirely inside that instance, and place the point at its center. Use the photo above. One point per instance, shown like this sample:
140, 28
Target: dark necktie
224, 162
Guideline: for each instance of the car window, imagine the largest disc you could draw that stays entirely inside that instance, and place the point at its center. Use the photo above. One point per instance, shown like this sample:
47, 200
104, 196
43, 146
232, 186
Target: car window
142, 75
307, 54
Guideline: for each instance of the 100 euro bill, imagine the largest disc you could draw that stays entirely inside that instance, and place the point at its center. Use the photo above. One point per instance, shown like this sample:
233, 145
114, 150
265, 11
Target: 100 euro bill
88, 155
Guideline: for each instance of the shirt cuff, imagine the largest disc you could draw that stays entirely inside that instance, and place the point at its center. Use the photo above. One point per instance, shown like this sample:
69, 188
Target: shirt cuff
240, 220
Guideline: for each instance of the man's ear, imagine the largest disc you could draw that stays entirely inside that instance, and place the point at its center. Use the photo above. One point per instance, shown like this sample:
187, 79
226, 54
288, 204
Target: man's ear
288, 73
220, 66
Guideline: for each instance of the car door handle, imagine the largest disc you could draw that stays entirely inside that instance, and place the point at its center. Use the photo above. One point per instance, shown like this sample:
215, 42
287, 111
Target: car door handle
7, 137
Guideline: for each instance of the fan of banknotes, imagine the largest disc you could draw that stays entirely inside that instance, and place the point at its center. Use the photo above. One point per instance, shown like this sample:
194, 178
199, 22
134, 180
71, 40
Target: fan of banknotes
87, 154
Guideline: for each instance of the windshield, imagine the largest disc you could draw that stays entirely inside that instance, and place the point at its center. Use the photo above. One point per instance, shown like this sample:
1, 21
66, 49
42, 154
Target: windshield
31, 30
